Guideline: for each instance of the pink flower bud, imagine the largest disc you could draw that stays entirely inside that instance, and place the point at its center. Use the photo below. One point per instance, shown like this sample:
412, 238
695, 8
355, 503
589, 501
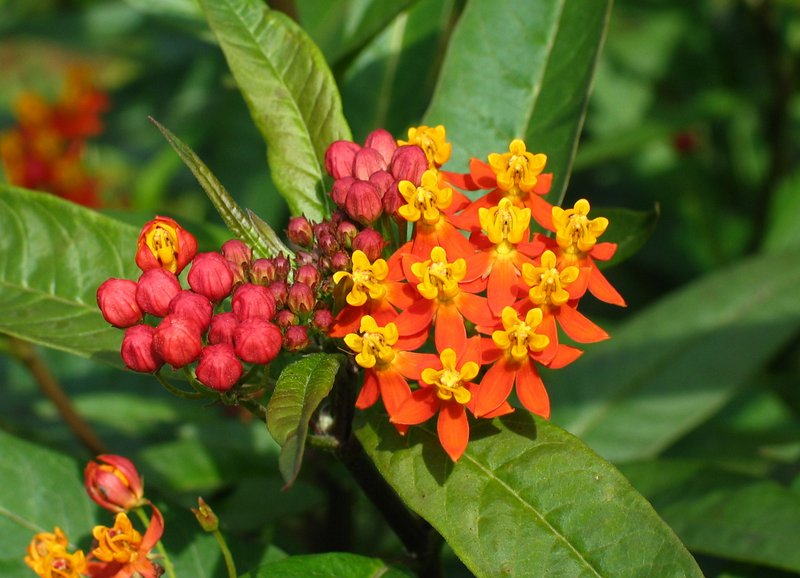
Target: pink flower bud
256, 340
282, 266
219, 368
363, 203
304, 258
366, 162
164, 243
238, 272
116, 299
296, 338
345, 232
300, 232
114, 484
237, 252
178, 341
301, 298
383, 182
211, 276
253, 301
284, 318
340, 261
325, 227
307, 274
339, 158
327, 243
280, 291
137, 349
222, 328
340, 190
154, 291
192, 306
392, 200
370, 242
322, 320
383, 142
408, 164
262, 272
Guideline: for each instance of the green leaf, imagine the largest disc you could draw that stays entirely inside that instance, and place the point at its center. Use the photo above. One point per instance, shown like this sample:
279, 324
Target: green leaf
782, 232
673, 365
333, 565
53, 257
527, 499
260, 236
291, 94
628, 229
723, 514
528, 77
41, 490
299, 390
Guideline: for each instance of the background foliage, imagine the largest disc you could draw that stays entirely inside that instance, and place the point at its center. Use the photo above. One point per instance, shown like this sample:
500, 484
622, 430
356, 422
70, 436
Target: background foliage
694, 111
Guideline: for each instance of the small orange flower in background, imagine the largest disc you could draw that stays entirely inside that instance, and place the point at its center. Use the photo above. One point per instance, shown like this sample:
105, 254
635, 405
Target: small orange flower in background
49, 558
45, 150
124, 550
114, 484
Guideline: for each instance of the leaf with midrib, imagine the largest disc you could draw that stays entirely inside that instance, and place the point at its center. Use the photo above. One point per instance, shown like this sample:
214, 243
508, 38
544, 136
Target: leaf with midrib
290, 92
53, 257
528, 77
527, 499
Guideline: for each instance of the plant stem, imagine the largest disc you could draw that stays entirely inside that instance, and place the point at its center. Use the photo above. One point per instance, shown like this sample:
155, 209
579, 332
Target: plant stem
26, 354
226, 554
169, 569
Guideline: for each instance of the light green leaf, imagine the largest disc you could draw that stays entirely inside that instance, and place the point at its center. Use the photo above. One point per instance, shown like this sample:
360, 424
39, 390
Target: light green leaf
40, 490
333, 565
782, 232
261, 238
527, 499
528, 77
299, 390
673, 365
53, 257
291, 94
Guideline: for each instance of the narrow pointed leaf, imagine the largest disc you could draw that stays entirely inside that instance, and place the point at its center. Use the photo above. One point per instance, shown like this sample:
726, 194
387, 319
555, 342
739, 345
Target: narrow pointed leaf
675, 364
300, 389
290, 91
53, 257
325, 565
529, 77
263, 240
527, 499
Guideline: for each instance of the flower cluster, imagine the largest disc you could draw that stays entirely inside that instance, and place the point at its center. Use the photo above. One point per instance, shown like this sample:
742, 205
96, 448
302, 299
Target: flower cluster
44, 151
475, 279
119, 551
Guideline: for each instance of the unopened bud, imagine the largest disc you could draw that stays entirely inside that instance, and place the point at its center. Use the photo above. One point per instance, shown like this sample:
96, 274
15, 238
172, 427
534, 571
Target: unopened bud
367, 162
307, 274
262, 272
192, 306
339, 158
301, 298
205, 516
296, 338
363, 202
222, 328
178, 341
345, 233
280, 291
383, 142
155, 290
257, 340
284, 318
408, 164
237, 252
371, 242
219, 368
300, 232
211, 276
138, 352
282, 266
251, 300
340, 261
340, 191
322, 320
117, 301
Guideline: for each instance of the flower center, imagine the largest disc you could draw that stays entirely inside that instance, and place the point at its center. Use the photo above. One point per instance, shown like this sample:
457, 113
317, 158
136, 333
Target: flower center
548, 284
162, 240
439, 279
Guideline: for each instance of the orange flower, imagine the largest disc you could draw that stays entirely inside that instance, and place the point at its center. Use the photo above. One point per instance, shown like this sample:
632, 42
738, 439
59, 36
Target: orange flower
124, 550
49, 558
115, 484
164, 243
445, 389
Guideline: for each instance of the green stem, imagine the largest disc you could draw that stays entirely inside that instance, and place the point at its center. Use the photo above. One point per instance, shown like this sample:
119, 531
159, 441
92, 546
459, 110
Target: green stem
177, 391
226, 553
169, 569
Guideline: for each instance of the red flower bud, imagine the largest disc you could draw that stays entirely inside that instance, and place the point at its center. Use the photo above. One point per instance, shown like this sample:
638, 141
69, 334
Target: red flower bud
300, 232
367, 162
117, 301
304, 258
296, 338
211, 276
256, 340
322, 320
408, 164
164, 243
340, 190
280, 291
327, 243
345, 232
114, 484
382, 141
340, 261
137, 349
155, 290
282, 266
262, 272
192, 306
363, 202
307, 274
383, 182
339, 158
253, 301
178, 340
219, 368
301, 298
222, 328
284, 318
370, 242
237, 252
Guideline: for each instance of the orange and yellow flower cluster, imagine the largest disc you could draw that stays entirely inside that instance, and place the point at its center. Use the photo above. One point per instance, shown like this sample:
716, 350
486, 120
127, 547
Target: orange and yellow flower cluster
474, 279
44, 151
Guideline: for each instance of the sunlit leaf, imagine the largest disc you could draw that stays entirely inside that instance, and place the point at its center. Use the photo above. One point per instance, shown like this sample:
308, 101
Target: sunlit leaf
327, 566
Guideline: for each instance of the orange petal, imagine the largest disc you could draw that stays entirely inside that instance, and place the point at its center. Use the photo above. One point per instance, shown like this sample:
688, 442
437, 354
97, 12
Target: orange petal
455, 244
401, 295
541, 211
482, 174
370, 392
411, 364
531, 391
543, 184
394, 390
478, 267
565, 355
463, 182
453, 429
577, 288
494, 388
489, 351
578, 326
347, 321
603, 251
476, 309
154, 530
420, 406
459, 202
416, 318
603, 290
449, 330
504, 409
503, 284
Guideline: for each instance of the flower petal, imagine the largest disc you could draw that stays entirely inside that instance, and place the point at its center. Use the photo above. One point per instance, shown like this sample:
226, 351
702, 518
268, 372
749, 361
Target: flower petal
578, 326
494, 388
420, 406
600, 287
453, 429
603, 251
449, 330
370, 392
394, 390
531, 391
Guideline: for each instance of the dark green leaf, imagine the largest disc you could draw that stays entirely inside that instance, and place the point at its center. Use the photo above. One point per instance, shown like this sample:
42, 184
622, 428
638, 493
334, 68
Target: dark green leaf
528, 77
334, 565
261, 238
300, 389
724, 514
40, 490
53, 257
782, 231
527, 499
676, 363
290, 91
628, 229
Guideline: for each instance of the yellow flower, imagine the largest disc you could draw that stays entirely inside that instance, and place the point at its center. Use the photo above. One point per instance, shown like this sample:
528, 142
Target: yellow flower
432, 141
449, 381
367, 279
575, 232
518, 336
425, 201
375, 344
505, 224
547, 284
517, 170
121, 544
439, 278
48, 556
